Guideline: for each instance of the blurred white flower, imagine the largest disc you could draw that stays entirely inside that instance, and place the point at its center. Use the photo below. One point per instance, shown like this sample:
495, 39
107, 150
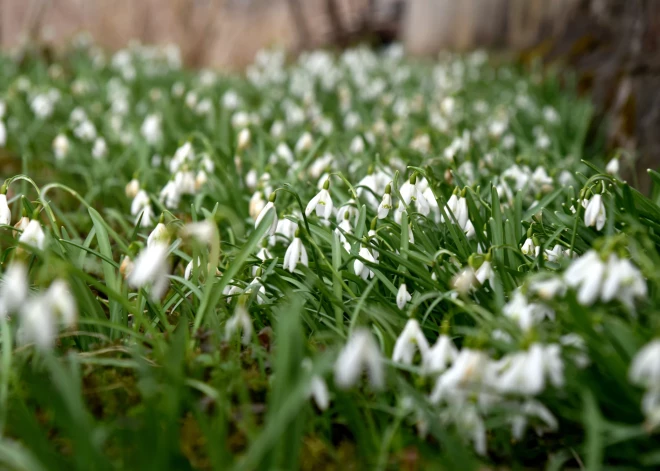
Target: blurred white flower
409, 341
33, 235
613, 167
268, 207
485, 272
62, 302
240, 319
361, 353
159, 234
38, 324
360, 268
586, 274
594, 214
14, 287
60, 146
151, 268
440, 355
403, 297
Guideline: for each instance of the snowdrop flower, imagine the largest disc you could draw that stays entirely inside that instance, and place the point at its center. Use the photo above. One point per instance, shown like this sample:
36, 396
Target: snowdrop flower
522, 372
360, 268
61, 146
532, 409
470, 369
555, 254
305, 143
269, 206
386, 203
257, 285
622, 281
318, 390
357, 145
151, 268
100, 149
296, 253
526, 314
37, 323
132, 189
348, 211
151, 129
243, 140
321, 203
344, 228
141, 199
13, 288
409, 341
403, 296
547, 289
286, 230
463, 282
485, 272
85, 131
159, 234
361, 353
594, 215
257, 204
645, 367
241, 319
366, 187
33, 235
440, 356
586, 275
410, 192
613, 167
530, 248
5, 212
62, 302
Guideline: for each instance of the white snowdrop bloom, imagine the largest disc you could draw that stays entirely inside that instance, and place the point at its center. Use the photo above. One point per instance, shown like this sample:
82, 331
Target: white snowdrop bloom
85, 131
132, 189
5, 212
257, 204
62, 302
257, 285
508, 141
185, 182
361, 353
385, 205
285, 231
151, 129
410, 192
320, 165
623, 281
470, 369
348, 210
183, 154
231, 100
170, 195
240, 319
357, 145
526, 314
366, 189
547, 289
532, 409
586, 274
60, 146
146, 216
470, 422
191, 99
295, 253
440, 355
203, 231
529, 248
284, 153
464, 280
457, 206
321, 203
305, 143
251, 179
159, 234
541, 181
100, 149
243, 139
360, 268
555, 254
3, 134
409, 341
485, 272
13, 288
613, 167
522, 372
645, 367
403, 297
595, 214
190, 267
33, 235
42, 106
151, 268
273, 226
200, 179
318, 390
344, 228
278, 129
204, 107
37, 323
